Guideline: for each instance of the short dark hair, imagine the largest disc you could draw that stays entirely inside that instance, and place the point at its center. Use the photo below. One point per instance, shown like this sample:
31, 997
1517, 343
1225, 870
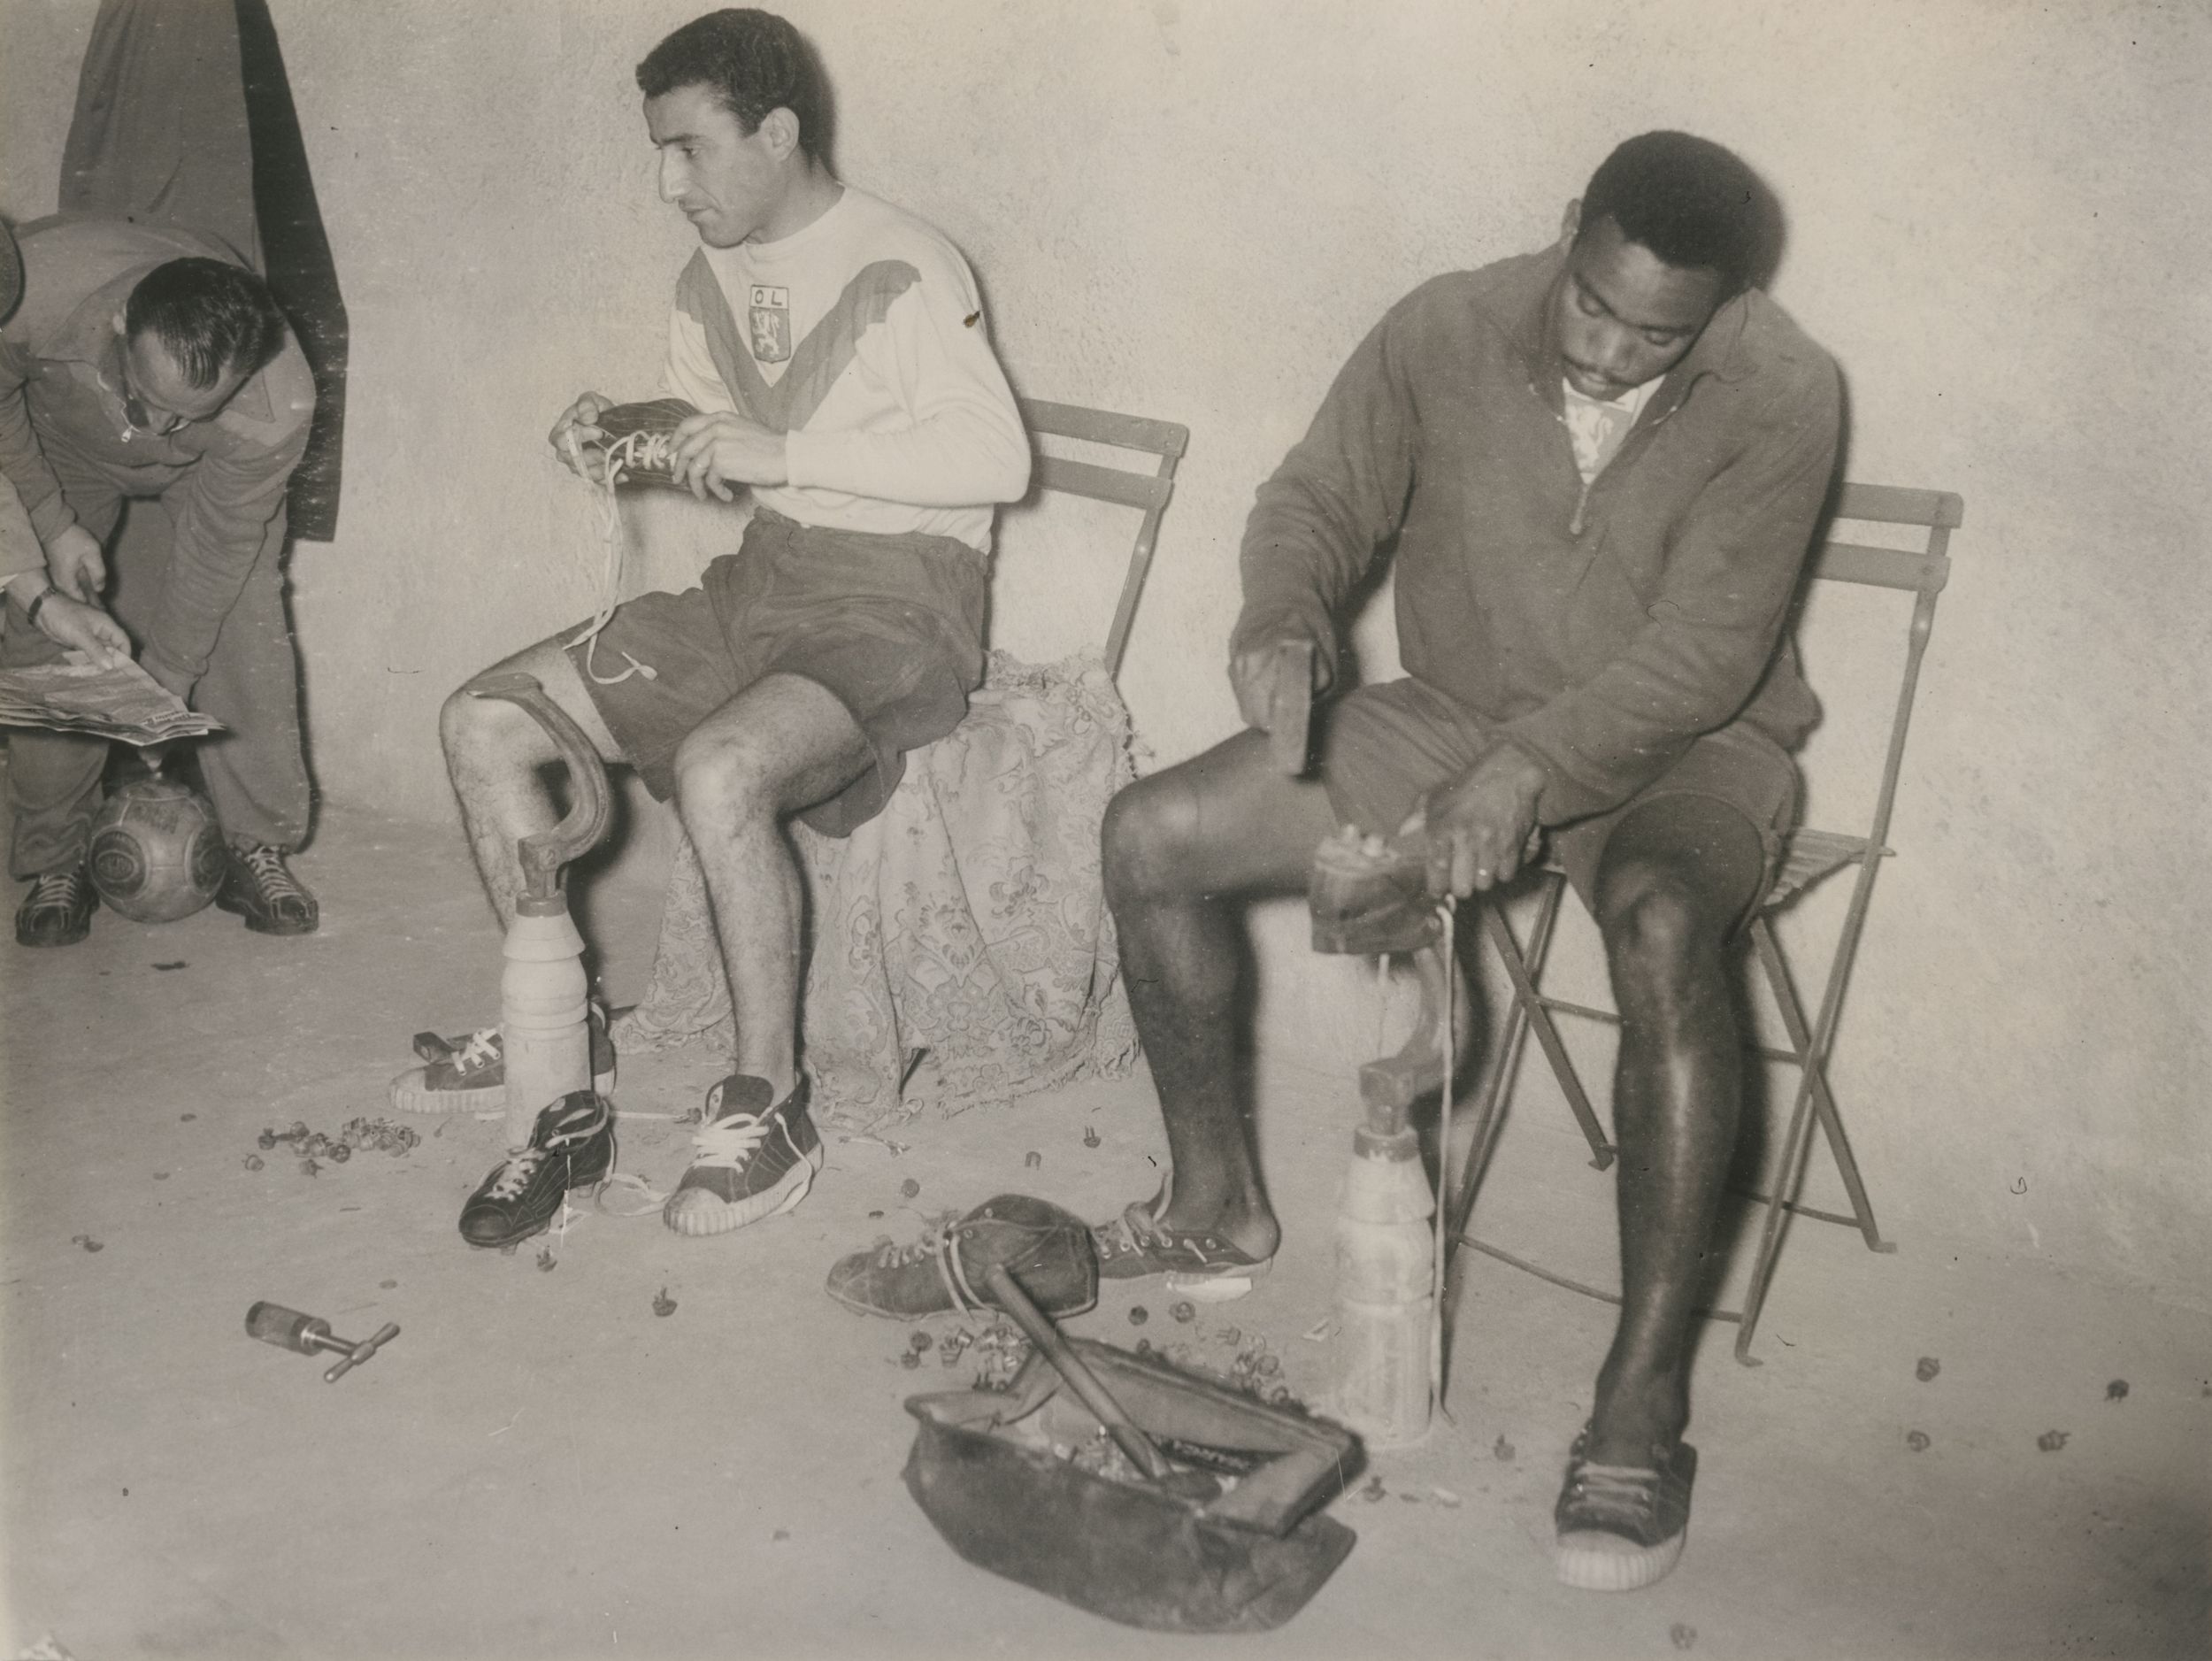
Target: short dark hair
214, 318
753, 62
1693, 203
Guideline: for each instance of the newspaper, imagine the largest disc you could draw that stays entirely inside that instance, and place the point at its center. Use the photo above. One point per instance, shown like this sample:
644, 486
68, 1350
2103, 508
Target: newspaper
75, 697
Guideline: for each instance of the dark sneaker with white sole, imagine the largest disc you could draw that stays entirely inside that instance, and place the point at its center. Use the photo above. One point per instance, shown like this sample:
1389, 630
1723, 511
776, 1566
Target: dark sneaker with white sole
755, 1156
571, 1146
1202, 1265
468, 1073
58, 910
259, 887
1622, 1526
1046, 1249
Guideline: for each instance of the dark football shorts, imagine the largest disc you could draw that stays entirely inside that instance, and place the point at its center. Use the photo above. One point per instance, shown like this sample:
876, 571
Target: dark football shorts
1386, 746
892, 626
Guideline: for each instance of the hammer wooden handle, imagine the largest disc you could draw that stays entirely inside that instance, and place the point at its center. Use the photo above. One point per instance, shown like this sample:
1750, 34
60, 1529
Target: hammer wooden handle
1086, 1384
1290, 706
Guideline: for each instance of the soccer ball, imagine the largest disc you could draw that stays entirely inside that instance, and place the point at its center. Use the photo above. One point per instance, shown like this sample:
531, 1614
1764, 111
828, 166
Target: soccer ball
157, 852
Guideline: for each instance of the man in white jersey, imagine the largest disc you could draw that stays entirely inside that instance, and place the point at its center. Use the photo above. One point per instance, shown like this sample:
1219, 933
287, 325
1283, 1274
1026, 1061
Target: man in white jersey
834, 348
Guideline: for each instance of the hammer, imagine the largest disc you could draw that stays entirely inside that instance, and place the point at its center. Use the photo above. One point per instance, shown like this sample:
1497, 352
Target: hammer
289, 1329
1198, 1486
1290, 707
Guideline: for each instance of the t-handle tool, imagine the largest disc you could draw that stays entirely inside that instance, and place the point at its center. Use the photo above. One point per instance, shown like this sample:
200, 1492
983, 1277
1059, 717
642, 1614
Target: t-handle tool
1290, 706
289, 1329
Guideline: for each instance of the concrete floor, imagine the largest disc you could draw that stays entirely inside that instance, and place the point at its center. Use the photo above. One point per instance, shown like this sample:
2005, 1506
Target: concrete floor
539, 1466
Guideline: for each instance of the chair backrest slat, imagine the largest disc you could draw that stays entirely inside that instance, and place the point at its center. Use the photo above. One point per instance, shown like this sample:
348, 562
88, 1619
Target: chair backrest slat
1147, 491
1105, 426
1888, 505
1881, 567
1103, 484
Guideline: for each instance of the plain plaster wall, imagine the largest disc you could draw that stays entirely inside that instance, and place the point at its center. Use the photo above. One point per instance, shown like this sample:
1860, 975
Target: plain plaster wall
1999, 224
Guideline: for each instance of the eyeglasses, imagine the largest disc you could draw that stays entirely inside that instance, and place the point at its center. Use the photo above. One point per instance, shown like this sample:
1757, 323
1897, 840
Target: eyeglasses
139, 416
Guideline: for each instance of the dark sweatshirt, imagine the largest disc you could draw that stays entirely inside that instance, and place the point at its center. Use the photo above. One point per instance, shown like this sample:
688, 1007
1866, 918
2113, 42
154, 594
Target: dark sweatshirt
1601, 628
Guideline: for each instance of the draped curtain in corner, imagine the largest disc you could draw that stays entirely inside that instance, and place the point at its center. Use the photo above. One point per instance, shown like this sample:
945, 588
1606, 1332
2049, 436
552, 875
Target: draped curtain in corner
184, 117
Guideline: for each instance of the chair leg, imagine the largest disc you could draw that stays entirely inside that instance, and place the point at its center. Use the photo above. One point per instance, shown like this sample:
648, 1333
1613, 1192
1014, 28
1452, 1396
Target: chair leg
1524, 992
1824, 1101
1785, 1179
1811, 1087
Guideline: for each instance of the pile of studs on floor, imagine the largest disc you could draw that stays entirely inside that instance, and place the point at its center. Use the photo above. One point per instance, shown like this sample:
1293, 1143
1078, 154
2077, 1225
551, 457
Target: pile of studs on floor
358, 1136
999, 1350
1254, 1368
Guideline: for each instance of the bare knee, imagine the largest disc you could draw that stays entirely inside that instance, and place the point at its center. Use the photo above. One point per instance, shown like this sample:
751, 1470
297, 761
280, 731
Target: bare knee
1660, 939
1150, 829
488, 735
720, 781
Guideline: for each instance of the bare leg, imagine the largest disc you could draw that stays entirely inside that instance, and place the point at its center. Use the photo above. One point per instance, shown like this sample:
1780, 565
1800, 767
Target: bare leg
1675, 879
781, 745
495, 754
1182, 847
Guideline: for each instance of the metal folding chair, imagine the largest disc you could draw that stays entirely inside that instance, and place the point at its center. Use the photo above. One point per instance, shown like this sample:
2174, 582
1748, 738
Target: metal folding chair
1149, 492
1811, 857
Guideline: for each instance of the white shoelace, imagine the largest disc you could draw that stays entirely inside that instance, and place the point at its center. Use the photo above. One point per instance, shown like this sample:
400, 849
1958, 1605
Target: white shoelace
1618, 1489
517, 1172
634, 450
520, 1167
275, 882
481, 1050
57, 888
732, 1141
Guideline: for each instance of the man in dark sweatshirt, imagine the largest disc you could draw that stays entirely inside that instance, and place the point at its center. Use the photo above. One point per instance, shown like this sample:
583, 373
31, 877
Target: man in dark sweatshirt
1600, 466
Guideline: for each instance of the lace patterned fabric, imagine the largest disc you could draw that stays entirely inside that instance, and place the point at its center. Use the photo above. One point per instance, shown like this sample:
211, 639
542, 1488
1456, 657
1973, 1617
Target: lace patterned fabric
966, 922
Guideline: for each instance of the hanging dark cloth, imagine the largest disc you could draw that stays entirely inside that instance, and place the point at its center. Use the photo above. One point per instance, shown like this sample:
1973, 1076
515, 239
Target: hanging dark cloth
184, 117
160, 134
297, 260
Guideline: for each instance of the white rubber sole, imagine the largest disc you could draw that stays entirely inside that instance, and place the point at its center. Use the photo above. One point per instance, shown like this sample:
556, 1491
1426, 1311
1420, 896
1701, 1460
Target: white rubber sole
1590, 1560
1213, 1288
411, 1093
695, 1213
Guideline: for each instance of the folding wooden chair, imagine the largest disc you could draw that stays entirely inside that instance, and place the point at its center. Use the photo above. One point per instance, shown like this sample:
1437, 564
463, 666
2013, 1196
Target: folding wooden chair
1149, 492
1810, 857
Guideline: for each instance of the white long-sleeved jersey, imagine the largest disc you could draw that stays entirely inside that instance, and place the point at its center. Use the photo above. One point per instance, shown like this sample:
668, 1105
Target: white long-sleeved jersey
860, 338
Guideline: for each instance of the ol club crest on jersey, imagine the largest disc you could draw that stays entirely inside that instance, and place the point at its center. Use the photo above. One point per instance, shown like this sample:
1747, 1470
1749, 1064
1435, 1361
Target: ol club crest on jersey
768, 317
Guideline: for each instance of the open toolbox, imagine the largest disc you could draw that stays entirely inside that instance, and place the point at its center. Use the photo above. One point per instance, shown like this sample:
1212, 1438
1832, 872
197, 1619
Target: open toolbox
1025, 1483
